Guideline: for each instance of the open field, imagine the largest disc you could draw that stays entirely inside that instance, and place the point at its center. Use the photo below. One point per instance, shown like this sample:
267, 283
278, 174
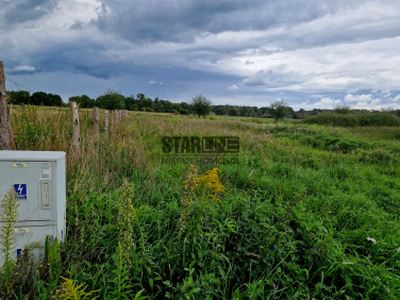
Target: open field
309, 211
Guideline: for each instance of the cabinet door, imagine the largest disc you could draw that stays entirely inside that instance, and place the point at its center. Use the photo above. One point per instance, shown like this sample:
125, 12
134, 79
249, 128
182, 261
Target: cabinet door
33, 185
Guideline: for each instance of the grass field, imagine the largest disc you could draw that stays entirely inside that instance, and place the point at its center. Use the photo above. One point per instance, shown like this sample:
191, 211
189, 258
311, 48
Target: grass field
310, 212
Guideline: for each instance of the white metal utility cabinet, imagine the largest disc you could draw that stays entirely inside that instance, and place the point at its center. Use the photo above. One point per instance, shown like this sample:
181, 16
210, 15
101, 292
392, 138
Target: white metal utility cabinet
38, 178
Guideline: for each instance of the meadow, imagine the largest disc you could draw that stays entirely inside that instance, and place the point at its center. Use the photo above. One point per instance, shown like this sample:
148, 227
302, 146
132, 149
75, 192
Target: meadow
309, 212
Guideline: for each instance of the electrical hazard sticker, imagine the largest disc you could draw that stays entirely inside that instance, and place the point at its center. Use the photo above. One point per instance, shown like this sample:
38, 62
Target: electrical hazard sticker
21, 191
19, 165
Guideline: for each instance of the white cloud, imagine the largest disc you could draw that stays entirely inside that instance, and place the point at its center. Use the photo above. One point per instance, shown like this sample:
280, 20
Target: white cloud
361, 105
25, 68
327, 103
318, 96
397, 98
376, 101
233, 87
368, 106
364, 101
357, 98
152, 82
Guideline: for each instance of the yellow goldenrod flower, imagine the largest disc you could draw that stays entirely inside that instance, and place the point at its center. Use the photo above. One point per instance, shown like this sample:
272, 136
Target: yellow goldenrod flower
205, 186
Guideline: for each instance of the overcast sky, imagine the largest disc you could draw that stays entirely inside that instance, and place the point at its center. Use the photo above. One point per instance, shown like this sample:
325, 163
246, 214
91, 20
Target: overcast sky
310, 53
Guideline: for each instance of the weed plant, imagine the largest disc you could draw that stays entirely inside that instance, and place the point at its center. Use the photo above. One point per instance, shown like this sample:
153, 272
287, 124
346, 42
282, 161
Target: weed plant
8, 218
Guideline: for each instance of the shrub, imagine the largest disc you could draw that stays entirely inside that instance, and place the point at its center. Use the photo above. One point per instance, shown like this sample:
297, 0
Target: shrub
201, 105
279, 110
352, 119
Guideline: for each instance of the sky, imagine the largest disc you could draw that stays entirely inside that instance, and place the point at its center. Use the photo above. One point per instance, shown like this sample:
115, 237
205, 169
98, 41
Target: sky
308, 53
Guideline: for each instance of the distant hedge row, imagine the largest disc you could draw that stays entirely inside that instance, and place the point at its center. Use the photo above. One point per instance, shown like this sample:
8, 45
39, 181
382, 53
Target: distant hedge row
352, 120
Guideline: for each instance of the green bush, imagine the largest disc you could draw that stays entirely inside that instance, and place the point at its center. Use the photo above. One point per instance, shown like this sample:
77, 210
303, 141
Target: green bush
353, 119
379, 119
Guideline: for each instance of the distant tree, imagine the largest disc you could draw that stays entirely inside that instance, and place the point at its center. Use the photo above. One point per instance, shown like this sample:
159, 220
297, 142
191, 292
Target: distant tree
38, 98
244, 111
76, 99
167, 106
301, 114
316, 111
279, 110
201, 106
83, 101
158, 105
56, 100
146, 104
387, 109
233, 111
111, 100
140, 96
291, 113
131, 103
184, 108
42, 98
19, 97
87, 102
176, 108
342, 109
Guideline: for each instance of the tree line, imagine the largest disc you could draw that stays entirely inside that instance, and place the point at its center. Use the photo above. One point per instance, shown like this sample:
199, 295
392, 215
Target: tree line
112, 100
198, 105
37, 98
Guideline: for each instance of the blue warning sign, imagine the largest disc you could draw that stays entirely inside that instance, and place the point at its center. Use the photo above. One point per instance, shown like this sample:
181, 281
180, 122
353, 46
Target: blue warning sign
21, 191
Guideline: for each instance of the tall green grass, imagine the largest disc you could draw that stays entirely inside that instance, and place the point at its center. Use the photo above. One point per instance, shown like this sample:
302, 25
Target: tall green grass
298, 219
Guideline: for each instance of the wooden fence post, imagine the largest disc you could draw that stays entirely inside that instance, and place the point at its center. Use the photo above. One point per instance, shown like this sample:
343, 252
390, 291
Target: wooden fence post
96, 119
75, 128
106, 122
112, 121
4, 124
10, 130
116, 116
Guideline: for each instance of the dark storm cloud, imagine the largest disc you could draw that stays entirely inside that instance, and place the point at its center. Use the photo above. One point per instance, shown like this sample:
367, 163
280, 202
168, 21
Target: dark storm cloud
21, 11
286, 25
86, 58
237, 50
77, 26
278, 76
181, 21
